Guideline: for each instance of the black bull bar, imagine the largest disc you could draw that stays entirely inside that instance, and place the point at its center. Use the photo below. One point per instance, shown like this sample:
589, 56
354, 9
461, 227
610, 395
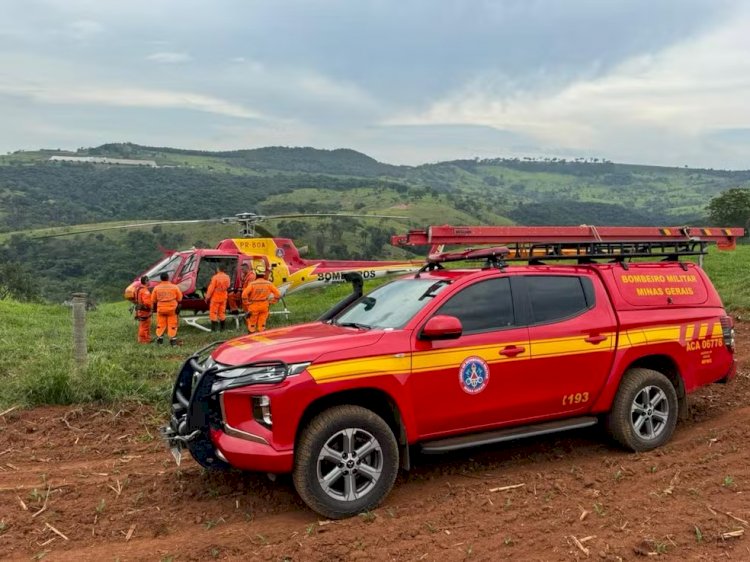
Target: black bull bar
195, 411
196, 407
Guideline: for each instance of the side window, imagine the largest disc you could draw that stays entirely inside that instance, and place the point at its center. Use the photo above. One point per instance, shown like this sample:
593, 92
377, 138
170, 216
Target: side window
558, 297
482, 307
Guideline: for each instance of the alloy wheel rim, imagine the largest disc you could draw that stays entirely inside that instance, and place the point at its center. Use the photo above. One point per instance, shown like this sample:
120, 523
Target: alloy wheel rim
350, 464
649, 412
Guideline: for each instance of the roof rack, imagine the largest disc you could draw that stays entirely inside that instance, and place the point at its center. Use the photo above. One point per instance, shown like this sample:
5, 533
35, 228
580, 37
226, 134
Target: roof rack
582, 243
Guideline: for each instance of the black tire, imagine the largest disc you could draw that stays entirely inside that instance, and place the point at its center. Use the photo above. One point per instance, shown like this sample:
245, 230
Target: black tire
643, 428
371, 475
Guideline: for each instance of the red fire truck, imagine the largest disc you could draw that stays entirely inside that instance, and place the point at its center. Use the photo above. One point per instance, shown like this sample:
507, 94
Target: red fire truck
558, 328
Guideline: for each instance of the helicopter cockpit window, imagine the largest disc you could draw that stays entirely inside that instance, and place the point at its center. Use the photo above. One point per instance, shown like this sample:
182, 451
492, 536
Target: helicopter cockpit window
189, 264
168, 264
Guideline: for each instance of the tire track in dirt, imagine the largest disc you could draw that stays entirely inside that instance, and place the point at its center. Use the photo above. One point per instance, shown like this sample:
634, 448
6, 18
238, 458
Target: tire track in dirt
20, 476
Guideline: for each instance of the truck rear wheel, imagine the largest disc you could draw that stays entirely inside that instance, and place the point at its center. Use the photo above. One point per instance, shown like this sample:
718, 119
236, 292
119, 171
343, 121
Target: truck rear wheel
346, 461
644, 412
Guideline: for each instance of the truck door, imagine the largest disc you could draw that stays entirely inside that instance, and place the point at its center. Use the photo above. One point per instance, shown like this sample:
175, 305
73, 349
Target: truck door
573, 331
471, 382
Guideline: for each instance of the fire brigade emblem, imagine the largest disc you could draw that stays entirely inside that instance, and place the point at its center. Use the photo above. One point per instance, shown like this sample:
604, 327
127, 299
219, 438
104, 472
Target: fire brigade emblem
474, 375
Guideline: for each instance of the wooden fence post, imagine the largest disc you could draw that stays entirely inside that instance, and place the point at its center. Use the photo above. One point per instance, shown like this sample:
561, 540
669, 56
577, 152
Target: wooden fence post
79, 330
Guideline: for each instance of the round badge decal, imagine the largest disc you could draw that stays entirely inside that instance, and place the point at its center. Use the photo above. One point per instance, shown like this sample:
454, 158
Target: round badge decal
474, 375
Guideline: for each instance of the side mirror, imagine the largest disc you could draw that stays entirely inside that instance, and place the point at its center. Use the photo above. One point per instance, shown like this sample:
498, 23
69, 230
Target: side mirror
442, 327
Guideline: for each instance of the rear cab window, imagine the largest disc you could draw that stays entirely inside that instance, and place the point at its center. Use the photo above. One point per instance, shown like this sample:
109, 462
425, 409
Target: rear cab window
553, 298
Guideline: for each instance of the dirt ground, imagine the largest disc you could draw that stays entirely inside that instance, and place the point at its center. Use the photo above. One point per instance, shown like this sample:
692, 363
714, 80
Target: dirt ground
97, 484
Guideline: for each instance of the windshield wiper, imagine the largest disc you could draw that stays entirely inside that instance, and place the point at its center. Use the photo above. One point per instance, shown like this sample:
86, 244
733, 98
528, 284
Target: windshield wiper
354, 325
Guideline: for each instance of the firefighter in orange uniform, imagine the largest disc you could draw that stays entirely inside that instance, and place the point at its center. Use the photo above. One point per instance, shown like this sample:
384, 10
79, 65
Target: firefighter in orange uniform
142, 298
248, 276
165, 300
257, 297
217, 294
233, 300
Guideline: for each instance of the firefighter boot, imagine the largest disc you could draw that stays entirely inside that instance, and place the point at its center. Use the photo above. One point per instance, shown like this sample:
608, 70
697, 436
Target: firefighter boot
173, 341
222, 324
214, 326
160, 340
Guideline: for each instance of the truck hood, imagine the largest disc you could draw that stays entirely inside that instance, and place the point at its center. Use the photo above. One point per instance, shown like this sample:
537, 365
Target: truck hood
295, 344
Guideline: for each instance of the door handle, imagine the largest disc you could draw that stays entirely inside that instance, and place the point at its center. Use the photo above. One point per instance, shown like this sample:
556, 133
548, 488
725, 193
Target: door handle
512, 350
595, 339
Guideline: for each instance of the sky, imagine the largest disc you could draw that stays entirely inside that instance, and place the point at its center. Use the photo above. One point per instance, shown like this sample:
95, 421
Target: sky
663, 82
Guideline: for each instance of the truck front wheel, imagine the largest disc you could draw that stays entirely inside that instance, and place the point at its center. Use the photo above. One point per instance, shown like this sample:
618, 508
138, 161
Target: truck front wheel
644, 412
346, 461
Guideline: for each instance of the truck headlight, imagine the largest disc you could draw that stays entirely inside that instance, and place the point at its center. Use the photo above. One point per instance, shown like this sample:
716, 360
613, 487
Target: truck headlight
262, 374
266, 373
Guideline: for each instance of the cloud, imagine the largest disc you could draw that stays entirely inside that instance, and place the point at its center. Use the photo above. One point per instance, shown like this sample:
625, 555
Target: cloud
128, 97
169, 58
649, 108
406, 81
83, 30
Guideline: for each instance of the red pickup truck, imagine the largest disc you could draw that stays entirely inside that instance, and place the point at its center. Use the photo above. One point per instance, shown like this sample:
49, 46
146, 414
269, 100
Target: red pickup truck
451, 358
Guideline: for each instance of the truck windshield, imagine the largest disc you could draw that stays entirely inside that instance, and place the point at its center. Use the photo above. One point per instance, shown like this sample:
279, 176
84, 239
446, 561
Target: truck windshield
392, 305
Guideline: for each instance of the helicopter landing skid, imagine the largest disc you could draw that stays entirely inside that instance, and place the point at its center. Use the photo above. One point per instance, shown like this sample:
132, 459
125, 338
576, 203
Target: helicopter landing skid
193, 322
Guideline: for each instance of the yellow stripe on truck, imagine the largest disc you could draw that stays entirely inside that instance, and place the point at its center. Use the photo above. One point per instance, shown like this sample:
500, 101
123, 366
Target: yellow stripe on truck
402, 363
570, 346
363, 367
662, 334
443, 358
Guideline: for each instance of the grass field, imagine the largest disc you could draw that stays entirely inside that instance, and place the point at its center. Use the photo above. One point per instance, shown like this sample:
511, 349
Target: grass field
36, 352
730, 273
36, 360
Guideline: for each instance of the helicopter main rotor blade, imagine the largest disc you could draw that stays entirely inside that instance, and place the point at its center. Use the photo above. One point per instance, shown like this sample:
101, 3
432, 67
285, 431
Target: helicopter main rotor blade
223, 220
323, 215
121, 227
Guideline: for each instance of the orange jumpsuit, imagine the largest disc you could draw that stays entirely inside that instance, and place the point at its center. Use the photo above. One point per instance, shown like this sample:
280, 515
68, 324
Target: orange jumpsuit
257, 297
248, 278
217, 294
164, 300
143, 313
233, 300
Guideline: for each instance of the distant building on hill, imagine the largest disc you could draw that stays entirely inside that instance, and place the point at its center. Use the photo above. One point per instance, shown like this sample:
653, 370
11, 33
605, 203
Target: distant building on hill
101, 160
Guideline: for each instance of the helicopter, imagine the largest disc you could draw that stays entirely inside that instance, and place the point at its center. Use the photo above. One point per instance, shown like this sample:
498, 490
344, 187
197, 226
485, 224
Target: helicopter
192, 269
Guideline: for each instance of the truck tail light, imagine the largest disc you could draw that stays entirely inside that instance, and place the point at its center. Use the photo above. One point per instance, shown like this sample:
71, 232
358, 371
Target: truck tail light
727, 331
262, 410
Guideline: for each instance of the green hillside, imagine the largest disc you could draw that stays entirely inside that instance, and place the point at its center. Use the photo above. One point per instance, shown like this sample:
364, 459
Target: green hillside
39, 197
